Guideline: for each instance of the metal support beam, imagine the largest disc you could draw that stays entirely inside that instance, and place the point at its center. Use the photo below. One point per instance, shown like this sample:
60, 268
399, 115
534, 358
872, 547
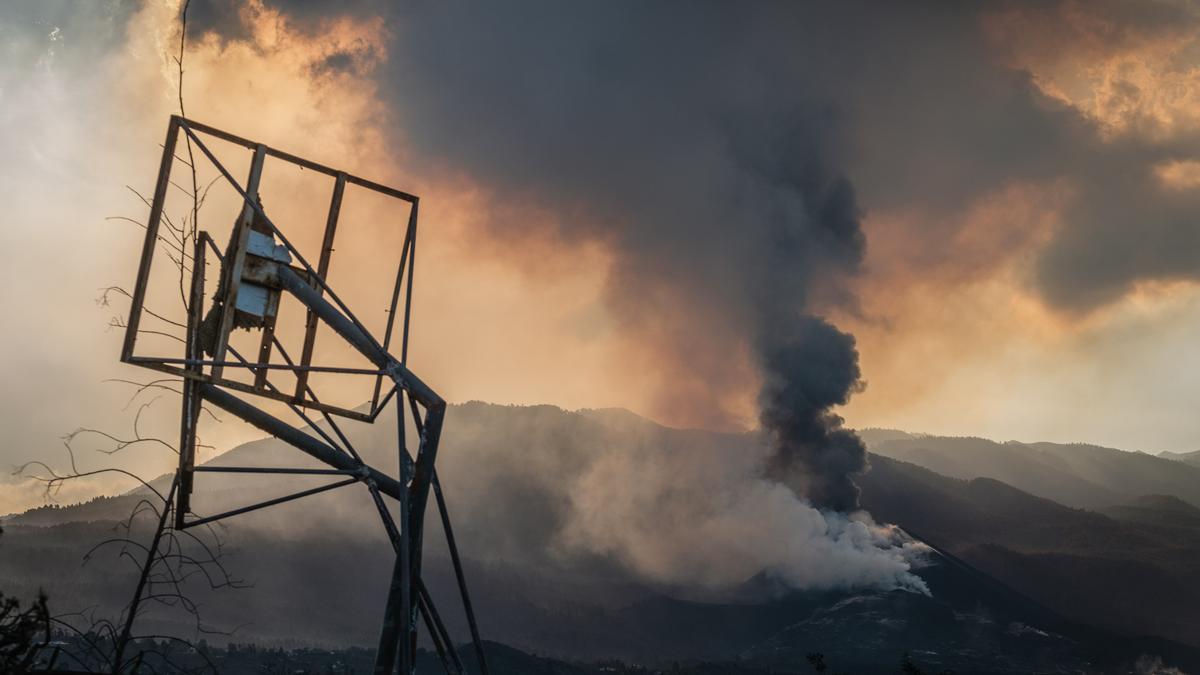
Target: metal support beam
363, 342
422, 476
155, 364
152, 225
257, 366
433, 621
395, 643
273, 502
397, 615
294, 437
339, 322
299, 161
437, 629
232, 269
191, 398
264, 352
299, 413
468, 609
408, 259
310, 327
273, 469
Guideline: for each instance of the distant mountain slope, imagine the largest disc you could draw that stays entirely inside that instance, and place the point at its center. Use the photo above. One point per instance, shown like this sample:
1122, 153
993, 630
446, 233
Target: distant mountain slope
1158, 513
1132, 570
319, 567
1192, 457
1079, 475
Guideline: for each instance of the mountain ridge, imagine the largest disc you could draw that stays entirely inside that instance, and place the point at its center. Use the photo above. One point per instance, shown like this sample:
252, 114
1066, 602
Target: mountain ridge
1076, 474
1055, 554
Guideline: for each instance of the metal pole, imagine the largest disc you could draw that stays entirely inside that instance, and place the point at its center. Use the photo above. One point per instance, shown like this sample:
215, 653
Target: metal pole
452, 544
422, 475
389, 639
152, 223
271, 469
458, 573
404, 561
398, 616
361, 341
191, 398
310, 327
391, 324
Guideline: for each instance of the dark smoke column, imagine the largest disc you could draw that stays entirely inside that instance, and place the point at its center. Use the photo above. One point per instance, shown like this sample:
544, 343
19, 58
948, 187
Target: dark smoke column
709, 157
808, 367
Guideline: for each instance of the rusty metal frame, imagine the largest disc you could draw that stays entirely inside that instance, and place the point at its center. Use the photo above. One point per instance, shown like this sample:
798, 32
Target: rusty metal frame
195, 365
408, 597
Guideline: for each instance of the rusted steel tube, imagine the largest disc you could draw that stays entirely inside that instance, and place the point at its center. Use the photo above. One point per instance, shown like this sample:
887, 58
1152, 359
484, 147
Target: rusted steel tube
296, 438
364, 343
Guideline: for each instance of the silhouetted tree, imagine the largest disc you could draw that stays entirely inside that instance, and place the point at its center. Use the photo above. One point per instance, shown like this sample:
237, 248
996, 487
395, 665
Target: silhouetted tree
171, 558
22, 632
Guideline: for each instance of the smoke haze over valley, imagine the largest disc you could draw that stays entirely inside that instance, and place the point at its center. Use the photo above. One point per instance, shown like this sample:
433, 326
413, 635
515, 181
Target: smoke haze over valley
671, 202
686, 271
583, 569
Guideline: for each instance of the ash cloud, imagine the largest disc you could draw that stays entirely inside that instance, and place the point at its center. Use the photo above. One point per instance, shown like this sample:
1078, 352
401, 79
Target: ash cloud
677, 134
808, 370
725, 155
716, 181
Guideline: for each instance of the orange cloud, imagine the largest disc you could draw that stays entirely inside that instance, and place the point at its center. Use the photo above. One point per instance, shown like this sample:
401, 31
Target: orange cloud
1125, 75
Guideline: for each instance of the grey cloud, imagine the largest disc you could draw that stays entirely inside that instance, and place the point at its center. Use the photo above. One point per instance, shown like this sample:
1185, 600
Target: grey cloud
725, 153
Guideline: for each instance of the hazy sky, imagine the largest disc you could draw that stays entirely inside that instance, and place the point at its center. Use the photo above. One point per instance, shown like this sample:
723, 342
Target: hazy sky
1028, 176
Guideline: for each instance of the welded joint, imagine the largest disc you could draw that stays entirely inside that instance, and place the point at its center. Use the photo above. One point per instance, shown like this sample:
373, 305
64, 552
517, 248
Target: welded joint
411, 384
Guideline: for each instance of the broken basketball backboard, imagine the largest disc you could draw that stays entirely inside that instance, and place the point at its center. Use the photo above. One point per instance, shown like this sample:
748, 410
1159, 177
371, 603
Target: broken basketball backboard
254, 241
260, 272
